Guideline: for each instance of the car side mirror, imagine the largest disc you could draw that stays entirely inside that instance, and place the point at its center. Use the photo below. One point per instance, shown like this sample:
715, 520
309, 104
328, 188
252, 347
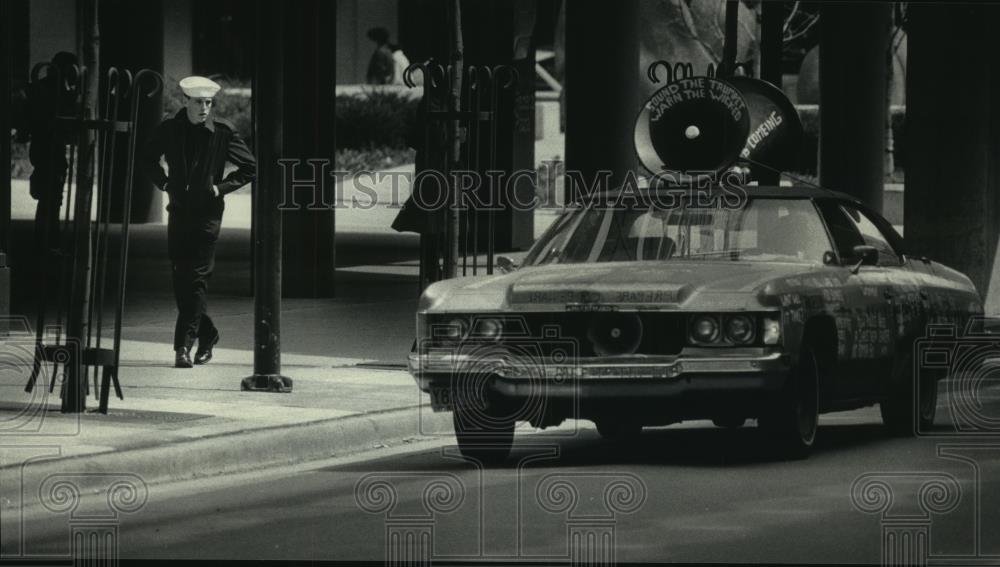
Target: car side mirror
505, 264
866, 256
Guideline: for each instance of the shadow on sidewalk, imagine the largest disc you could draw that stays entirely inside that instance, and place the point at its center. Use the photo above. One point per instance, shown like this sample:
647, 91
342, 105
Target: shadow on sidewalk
371, 316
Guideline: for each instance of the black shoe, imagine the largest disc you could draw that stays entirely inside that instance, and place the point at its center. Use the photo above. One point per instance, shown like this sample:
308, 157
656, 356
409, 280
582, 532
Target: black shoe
182, 358
204, 353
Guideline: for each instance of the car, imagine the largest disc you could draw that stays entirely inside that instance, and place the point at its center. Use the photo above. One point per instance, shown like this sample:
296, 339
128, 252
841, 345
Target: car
769, 303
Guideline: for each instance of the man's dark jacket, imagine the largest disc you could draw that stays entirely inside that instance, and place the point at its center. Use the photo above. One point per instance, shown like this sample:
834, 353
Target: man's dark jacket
189, 185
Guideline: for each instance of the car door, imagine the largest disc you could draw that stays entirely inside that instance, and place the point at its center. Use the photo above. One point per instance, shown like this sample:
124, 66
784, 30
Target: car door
912, 278
867, 317
899, 291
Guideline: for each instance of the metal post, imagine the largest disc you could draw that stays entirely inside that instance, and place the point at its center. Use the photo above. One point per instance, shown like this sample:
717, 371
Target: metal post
268, 93
455, 157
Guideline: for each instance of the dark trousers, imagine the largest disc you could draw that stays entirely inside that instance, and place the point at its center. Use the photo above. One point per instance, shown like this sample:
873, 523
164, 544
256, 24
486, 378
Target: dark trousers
46, 186
191, 239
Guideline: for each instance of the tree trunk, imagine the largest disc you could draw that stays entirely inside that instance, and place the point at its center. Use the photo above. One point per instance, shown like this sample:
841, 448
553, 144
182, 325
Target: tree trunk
73, 399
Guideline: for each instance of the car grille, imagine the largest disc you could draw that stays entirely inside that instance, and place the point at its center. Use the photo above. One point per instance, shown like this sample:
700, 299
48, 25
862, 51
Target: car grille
584, 334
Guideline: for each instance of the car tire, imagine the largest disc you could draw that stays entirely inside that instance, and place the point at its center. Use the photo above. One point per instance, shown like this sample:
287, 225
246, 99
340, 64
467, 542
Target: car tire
899, 407
729, 422
619, 429
792, 421
484, 437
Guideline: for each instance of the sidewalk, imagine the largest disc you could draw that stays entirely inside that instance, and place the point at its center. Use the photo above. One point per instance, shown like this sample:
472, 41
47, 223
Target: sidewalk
177, 424
346, 356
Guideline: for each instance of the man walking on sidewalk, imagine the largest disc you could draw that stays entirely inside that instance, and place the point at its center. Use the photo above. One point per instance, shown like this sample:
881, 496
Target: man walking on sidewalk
196, 147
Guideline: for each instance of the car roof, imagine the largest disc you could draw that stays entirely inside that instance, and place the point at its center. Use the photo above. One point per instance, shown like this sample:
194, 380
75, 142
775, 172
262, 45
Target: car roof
763, 191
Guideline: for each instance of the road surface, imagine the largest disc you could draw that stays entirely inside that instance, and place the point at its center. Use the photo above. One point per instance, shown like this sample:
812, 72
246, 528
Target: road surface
685, 493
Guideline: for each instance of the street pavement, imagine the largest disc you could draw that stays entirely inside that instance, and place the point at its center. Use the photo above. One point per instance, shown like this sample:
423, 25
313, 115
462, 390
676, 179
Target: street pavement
687, 493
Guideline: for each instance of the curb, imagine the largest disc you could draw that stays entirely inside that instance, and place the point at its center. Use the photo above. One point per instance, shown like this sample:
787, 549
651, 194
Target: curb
240, 452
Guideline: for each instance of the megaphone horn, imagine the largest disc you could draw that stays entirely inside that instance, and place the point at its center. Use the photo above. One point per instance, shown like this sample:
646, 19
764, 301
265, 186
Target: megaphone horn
693, 126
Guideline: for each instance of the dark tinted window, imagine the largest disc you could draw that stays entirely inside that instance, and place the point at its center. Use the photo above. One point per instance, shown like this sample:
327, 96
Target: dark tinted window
872, 235
842, 228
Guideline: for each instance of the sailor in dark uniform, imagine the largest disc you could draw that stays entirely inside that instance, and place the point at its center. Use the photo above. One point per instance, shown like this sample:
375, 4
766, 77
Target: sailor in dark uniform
196, 147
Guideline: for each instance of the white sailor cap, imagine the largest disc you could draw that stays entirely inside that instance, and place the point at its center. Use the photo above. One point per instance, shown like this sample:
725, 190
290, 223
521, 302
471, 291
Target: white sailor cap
199, 87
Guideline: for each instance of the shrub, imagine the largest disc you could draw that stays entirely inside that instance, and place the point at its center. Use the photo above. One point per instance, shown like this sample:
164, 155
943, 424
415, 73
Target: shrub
374, 119
376, 159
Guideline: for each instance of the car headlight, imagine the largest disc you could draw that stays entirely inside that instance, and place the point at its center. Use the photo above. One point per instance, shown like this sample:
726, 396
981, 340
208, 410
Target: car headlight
705, 329
740, 329
454, 330
489, 329
772, 331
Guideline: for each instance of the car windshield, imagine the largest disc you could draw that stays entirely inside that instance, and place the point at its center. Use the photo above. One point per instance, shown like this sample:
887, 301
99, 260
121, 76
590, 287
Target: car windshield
760, 230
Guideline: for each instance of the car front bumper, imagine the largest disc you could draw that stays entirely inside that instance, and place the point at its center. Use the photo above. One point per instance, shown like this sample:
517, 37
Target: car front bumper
600, 380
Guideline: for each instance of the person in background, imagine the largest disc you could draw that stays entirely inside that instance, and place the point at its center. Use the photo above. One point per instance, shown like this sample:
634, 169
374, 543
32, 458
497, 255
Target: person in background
381, 66
53, 95
400, 63
196, 147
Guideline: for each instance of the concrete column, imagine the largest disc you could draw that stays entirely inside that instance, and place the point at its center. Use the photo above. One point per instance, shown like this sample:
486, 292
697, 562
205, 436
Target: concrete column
852, 77
952, 150
178, 38
132, 38
308, 133
772, 16
52, 27
6, 86
602, 64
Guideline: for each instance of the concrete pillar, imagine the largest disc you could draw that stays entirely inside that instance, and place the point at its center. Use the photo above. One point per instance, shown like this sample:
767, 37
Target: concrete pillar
132, 37
423, 29
308, 133
602, 64
772, 16
852, 76
6, 86
52, 27
178, 38
951, 207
